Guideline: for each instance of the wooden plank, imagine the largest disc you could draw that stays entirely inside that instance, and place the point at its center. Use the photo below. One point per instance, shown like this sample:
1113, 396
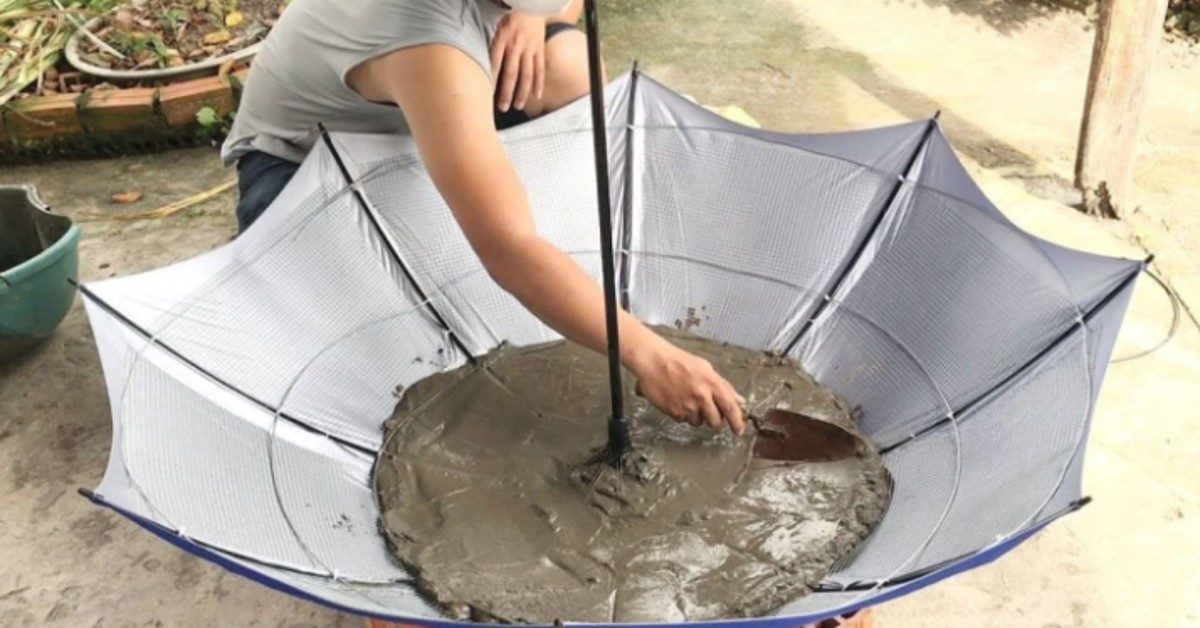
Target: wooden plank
119, 111
179, 102
1122, 59
43, 117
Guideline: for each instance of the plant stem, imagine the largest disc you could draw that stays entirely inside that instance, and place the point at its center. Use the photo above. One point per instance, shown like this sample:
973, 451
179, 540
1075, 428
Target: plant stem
90, 35
40, 46
18, 39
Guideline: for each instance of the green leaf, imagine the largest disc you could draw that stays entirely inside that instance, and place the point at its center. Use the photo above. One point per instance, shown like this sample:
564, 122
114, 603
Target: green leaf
254, 30
207, 116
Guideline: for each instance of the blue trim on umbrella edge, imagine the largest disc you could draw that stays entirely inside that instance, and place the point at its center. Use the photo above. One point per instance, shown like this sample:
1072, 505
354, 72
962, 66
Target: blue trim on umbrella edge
793, 621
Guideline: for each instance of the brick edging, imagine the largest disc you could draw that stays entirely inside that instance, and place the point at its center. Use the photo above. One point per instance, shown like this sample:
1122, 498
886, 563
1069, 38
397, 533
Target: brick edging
117, 115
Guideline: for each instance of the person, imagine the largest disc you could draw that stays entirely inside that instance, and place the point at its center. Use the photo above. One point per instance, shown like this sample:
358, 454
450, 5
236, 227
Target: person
450, 73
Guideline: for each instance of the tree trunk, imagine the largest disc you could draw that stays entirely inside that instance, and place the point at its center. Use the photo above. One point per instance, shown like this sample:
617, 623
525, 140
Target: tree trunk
1122, 59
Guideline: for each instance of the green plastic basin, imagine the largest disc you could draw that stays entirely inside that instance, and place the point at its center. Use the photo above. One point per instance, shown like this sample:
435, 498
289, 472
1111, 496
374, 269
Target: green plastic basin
39, 261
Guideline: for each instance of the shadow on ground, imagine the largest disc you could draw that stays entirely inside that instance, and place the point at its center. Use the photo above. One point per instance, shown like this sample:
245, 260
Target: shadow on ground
759, 55
1008, 16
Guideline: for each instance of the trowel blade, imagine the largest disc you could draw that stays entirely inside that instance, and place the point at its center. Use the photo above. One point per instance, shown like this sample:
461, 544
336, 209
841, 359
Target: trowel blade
794, 437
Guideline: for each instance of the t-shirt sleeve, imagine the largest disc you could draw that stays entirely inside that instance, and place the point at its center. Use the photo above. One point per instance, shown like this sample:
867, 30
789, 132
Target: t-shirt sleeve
389, 25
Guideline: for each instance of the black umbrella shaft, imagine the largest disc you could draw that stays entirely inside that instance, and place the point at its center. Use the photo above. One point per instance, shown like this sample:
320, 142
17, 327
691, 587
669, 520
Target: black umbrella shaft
600, 137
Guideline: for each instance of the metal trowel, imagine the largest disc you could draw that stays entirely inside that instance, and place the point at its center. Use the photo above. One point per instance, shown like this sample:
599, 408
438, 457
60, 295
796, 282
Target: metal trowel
794, 437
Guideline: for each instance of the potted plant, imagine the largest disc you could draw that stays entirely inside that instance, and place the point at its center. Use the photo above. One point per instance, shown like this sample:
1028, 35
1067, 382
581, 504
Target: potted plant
155, 39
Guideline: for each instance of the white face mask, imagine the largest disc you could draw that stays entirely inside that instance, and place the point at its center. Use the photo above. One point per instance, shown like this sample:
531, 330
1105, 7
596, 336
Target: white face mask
539, 7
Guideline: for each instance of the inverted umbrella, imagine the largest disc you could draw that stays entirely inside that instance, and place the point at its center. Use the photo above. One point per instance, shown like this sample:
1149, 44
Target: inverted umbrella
249, 384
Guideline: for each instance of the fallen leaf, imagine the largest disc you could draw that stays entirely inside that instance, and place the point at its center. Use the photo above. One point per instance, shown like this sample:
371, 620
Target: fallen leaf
126, 197
123, 21
233, 19
217, 37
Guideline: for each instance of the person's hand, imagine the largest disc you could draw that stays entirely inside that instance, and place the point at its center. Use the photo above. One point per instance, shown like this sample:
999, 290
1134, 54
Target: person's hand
519, 59
687, 389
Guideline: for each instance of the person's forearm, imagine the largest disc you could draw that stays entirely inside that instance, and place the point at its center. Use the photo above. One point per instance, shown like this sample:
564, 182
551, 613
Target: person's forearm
556, 290
448, 102
468, 164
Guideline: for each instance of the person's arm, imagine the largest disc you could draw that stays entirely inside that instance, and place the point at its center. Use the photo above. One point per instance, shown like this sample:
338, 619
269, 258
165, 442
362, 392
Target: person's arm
446, 100
570, 16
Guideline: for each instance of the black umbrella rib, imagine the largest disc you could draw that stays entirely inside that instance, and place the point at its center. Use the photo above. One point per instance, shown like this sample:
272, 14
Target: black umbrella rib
141, 331
395, 255
974, 403
627, 194
861, 246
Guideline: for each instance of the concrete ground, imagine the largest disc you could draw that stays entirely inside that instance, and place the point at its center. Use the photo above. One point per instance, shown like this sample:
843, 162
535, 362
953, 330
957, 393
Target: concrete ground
1009, 78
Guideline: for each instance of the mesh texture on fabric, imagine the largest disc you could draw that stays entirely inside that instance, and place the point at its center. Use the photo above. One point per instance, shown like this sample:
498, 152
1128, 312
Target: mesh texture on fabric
297, 337
1088, 276
968, 298
723, 207
187, 467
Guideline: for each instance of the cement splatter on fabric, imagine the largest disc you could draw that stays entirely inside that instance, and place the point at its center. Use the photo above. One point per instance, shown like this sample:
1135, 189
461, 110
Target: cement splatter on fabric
482, 499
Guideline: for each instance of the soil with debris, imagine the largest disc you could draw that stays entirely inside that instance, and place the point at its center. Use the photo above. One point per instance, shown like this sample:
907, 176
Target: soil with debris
484, 498
170, 33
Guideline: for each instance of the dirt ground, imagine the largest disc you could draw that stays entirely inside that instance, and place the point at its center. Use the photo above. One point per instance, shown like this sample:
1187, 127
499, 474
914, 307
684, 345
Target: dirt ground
1009, 79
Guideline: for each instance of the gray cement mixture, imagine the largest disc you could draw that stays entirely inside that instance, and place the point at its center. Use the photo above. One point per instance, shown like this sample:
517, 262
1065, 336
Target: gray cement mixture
483, 498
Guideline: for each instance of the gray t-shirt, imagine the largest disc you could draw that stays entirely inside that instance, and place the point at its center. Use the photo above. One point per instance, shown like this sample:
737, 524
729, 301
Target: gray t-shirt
298, 77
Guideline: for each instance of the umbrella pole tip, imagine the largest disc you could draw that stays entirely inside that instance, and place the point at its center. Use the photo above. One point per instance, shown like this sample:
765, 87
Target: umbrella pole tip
620, 443
617, 455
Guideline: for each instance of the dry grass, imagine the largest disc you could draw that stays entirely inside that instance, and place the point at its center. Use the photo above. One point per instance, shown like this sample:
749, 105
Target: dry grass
32, 36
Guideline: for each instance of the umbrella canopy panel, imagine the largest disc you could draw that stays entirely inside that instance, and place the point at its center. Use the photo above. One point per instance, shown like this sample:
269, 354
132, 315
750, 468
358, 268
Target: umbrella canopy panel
249, 384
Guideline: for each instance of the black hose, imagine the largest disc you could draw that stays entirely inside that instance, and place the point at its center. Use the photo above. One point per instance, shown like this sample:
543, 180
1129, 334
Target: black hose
1175, 316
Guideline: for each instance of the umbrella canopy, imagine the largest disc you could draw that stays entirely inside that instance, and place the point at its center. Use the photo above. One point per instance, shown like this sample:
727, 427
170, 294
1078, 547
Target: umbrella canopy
249, 384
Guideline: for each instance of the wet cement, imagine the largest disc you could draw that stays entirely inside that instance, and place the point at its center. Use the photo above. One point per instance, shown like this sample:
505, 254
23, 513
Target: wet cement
484, 499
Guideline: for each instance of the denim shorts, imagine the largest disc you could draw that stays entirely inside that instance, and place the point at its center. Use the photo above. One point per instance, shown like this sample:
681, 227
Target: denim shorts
261, 177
